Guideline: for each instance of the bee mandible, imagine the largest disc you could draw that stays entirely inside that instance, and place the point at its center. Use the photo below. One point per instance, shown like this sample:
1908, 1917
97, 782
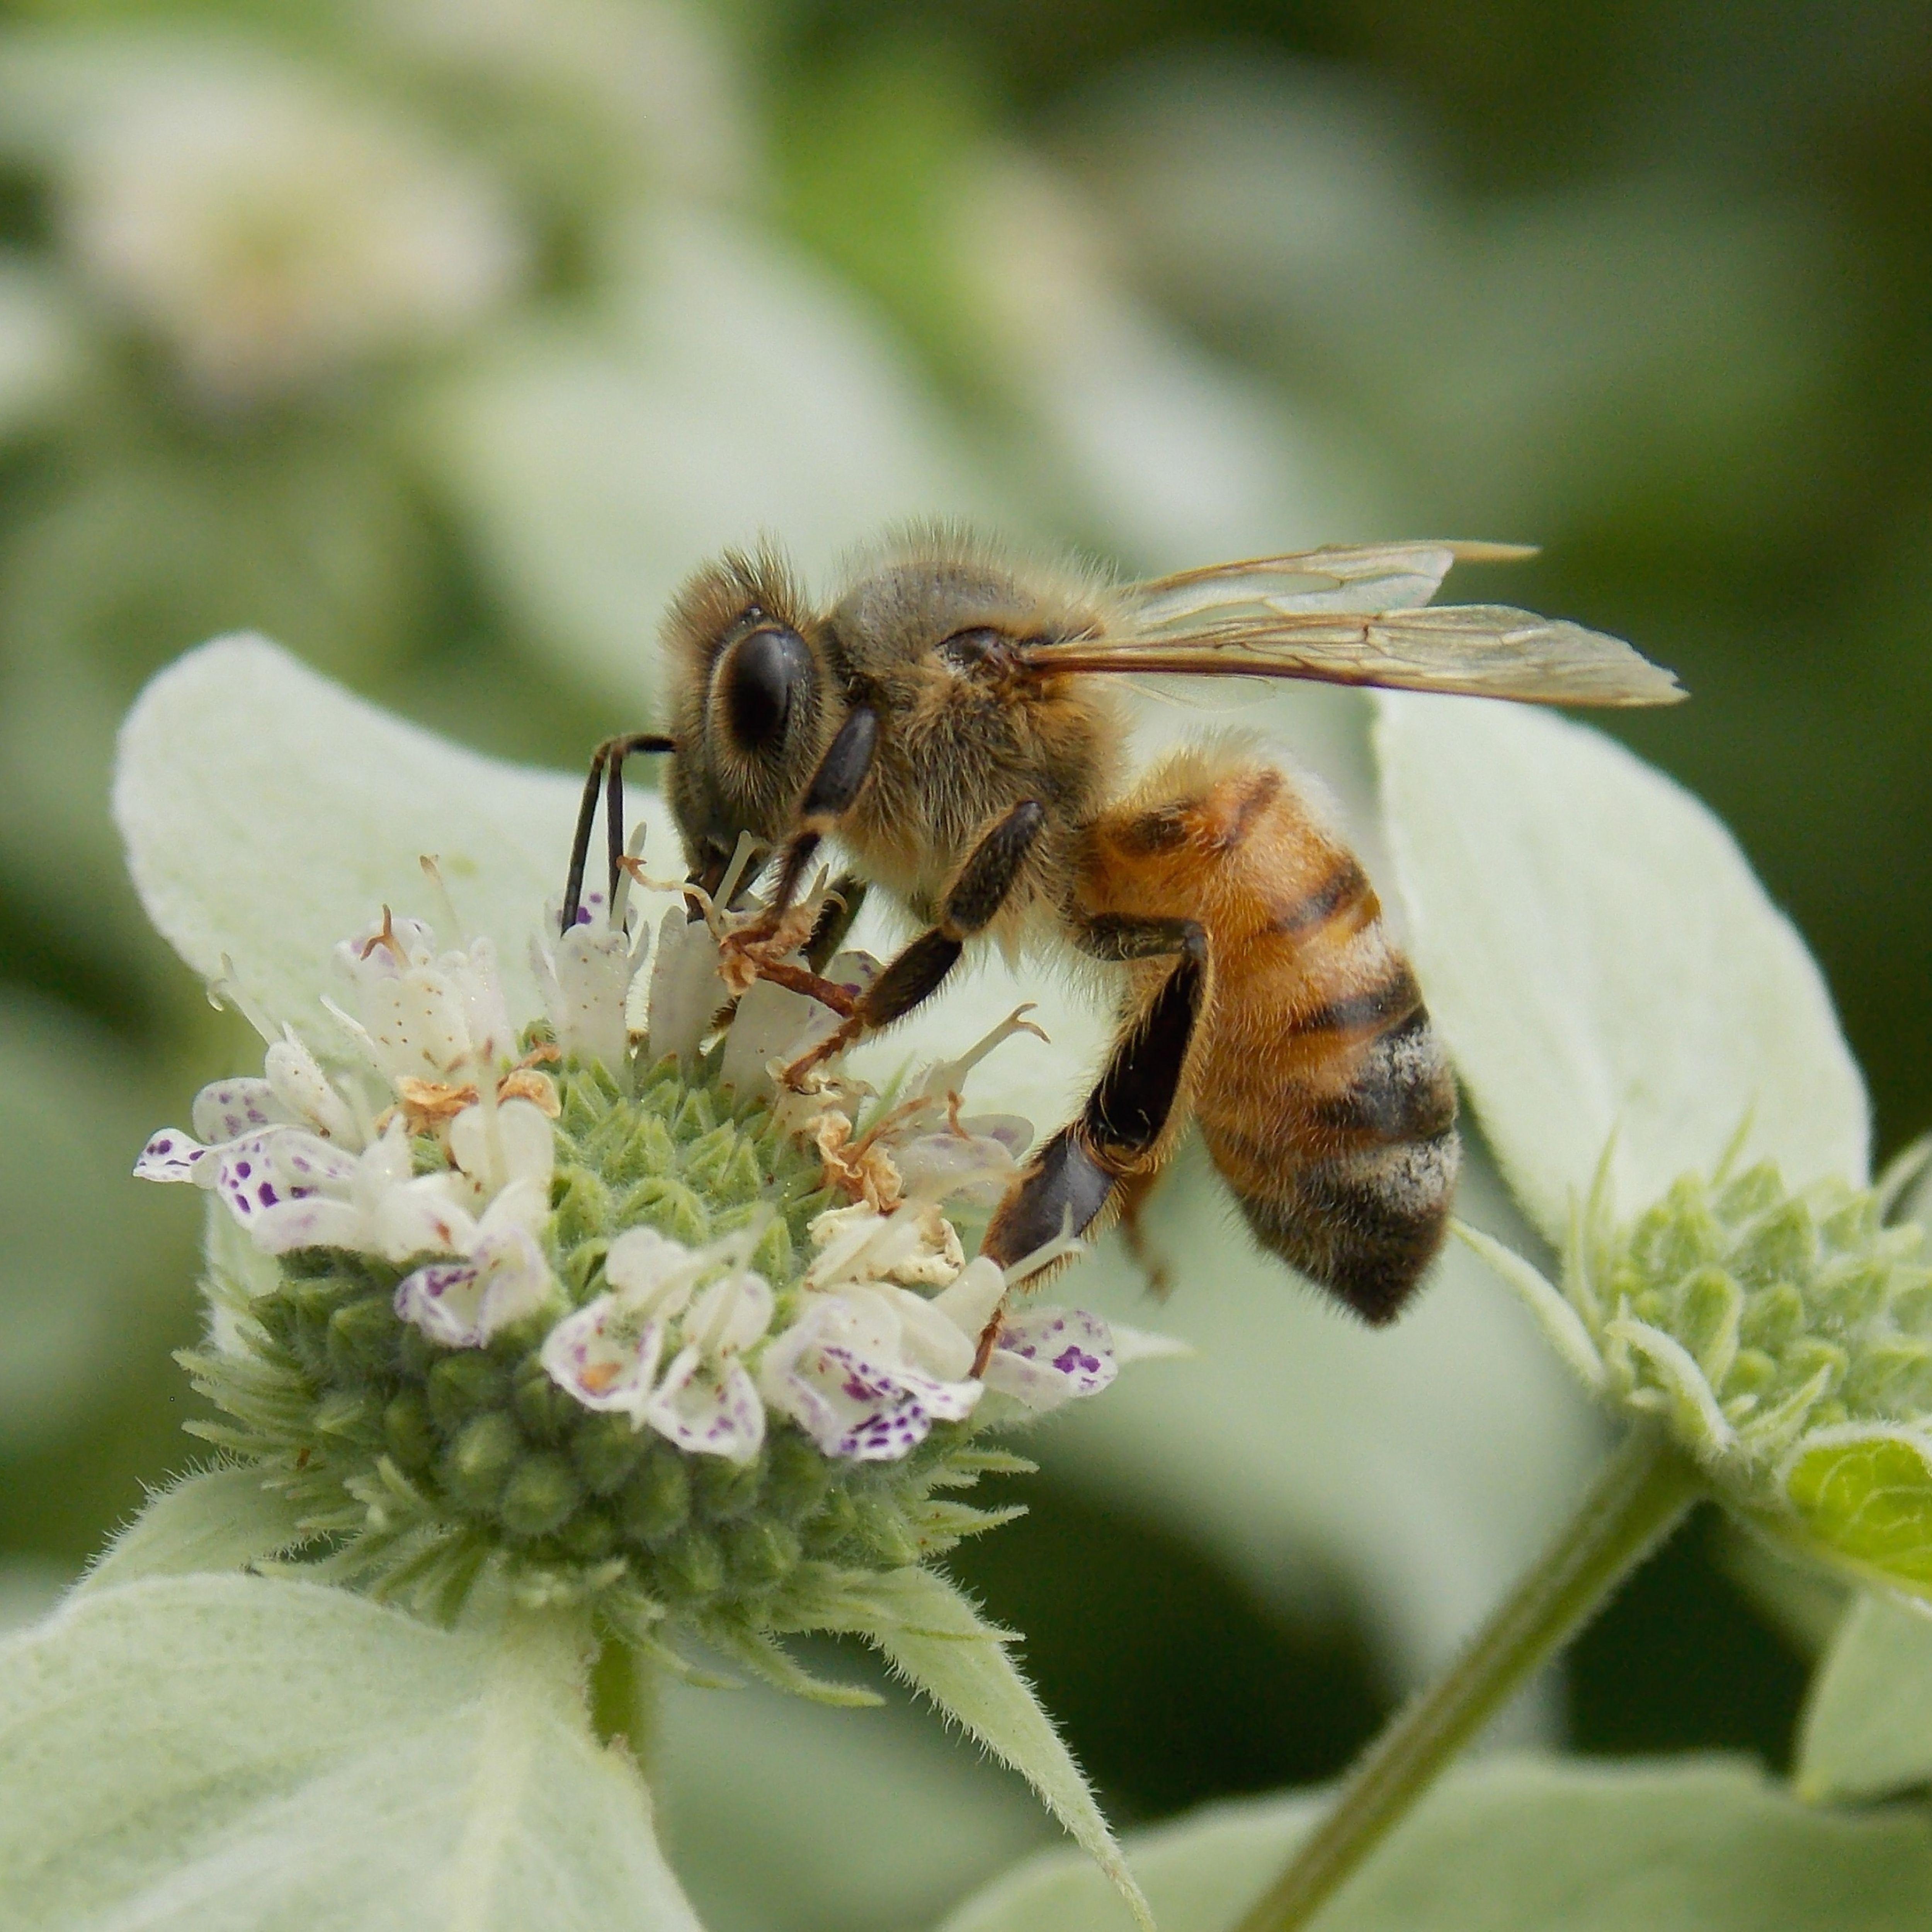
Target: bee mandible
954, 716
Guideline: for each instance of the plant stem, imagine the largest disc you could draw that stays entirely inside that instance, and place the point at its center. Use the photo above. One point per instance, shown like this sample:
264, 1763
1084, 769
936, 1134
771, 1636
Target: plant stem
1642, 1493
623, 1701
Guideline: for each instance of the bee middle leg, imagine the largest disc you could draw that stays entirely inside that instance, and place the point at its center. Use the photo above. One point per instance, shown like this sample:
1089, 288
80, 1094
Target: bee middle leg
1119, 1133
989, 874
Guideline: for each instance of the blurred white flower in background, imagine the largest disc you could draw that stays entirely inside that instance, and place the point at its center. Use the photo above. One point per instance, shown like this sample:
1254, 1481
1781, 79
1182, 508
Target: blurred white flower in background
274, 231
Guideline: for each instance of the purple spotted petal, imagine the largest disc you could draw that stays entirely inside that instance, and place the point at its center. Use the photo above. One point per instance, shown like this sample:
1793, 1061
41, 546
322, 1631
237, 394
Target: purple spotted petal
860, 1409
445, 1301
231, 1109
1048, 1356
170, 1156
706, 1411
270, 1170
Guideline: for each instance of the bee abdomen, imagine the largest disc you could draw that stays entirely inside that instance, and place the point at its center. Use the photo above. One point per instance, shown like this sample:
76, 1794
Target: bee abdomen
1365, 1225
1351, 1181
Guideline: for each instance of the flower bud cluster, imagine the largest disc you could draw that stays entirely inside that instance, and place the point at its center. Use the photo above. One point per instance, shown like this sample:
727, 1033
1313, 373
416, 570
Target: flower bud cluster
599, 1304
1766, 1327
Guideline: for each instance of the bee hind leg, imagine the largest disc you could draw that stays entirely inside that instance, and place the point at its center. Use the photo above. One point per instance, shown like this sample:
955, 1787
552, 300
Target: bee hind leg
1121, 1132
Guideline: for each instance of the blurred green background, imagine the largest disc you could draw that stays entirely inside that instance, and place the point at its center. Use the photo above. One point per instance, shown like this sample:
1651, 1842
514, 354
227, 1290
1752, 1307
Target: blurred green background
438, 338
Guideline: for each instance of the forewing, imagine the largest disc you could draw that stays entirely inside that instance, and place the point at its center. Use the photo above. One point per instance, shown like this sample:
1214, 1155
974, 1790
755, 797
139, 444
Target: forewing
1480, 650
1367, 579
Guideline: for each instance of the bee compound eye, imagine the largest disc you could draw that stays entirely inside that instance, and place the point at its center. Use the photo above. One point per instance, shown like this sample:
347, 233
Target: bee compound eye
768, 670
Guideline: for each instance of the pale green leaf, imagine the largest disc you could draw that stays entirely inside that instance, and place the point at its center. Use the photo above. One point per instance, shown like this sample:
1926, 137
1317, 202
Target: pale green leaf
1867, 1726
212, 1520
1864, 1499
730, 390
268, 814
868, 1821
1524, 1845
91, 1265
1601, 961
227, 1753
934, 1639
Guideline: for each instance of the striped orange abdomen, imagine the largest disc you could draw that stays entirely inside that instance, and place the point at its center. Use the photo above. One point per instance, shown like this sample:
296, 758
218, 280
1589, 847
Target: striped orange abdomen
1322, 1092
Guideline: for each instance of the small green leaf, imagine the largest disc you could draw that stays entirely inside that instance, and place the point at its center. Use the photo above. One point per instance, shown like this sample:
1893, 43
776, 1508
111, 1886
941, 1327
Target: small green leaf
1523, 1846
214, 1519
193, 1753
1867, 1726
1865, 1496
934, 1638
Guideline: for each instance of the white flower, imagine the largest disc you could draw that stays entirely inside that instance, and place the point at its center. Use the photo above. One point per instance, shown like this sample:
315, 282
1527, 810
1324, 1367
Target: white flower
273, 233
289, 1189
502, 1278
914, 1243
426, 1016
607, 1355
294, 1092
848, 1372
687, 989
585, 976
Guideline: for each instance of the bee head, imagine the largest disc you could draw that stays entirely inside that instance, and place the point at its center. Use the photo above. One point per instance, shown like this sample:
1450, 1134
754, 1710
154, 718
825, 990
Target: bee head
751, 698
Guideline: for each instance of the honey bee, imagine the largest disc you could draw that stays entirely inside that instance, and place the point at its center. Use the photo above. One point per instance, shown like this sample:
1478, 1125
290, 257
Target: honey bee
955, 716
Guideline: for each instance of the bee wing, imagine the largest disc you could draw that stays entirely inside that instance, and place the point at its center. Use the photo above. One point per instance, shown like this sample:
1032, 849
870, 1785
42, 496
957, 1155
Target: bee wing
1357, 616
1368, 578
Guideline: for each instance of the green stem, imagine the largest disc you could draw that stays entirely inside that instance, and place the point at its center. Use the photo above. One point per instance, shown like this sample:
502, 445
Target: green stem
1643, 1491
624, 1701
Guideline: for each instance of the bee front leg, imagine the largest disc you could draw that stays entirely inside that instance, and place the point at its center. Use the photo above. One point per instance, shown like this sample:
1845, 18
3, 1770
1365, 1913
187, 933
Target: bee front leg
914, 974
834, 786
1074, 1178
607, 769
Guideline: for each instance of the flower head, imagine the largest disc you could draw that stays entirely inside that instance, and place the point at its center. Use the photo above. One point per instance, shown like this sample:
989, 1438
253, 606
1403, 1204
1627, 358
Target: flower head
585, 1300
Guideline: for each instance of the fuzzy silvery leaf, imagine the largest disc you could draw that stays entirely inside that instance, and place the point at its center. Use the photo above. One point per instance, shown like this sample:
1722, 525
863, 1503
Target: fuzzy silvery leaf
89, 1266
1867, 1726
204, 1523
1523, 1846
730, 389
1602, 963
268, 813
226, 1754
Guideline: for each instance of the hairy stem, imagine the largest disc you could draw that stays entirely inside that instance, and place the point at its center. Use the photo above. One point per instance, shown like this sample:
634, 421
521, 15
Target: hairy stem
1643, 1492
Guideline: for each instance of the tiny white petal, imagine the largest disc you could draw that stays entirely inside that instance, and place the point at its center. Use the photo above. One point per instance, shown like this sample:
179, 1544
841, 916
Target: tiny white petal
301, 1090
709, 1411
686, 987
604, 1355
771, 1023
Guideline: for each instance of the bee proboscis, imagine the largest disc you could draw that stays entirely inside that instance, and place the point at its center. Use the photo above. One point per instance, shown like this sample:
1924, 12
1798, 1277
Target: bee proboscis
953, 715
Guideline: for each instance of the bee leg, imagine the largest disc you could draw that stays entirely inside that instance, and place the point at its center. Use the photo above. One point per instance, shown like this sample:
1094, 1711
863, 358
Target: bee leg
1078, 1173
846, 765
607, 768
834, 921
989, 874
